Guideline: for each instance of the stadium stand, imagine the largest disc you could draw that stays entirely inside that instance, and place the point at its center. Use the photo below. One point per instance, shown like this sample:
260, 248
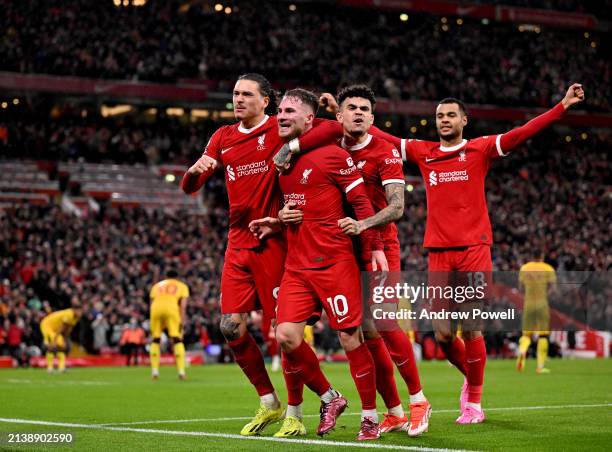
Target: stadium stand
89, 204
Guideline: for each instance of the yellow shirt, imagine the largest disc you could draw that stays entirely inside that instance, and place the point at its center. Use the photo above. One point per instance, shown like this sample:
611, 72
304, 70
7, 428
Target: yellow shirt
168, 293
536, 276
56, 321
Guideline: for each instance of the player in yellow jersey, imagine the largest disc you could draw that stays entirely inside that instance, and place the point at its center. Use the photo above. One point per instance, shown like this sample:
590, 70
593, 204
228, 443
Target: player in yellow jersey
168, 306
537, 279
56, 328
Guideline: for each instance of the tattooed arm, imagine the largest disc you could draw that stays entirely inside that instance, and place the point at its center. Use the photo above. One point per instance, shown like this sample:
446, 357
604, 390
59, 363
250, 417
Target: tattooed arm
393, 212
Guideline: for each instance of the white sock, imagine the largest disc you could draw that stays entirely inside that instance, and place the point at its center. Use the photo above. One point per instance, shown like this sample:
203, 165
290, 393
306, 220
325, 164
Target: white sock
329, 395
418, 397
294, 411
372, 414
474, 405
270, 401
397, 411
155, 372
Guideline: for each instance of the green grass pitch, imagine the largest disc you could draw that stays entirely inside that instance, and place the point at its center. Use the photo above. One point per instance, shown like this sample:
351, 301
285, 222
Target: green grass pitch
569, 409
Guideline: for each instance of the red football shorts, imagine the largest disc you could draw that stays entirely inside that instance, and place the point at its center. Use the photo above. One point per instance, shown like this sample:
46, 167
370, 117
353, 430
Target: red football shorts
251, 278
467, 270
337, 289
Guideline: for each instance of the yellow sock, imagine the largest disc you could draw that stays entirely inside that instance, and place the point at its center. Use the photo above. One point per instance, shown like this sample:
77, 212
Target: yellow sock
49, 357
154, 353
542, 351
524, 343
179, 355
61, 361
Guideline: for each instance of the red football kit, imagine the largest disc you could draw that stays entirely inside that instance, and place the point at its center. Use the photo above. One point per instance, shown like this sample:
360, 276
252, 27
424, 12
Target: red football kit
320, 267
380, 164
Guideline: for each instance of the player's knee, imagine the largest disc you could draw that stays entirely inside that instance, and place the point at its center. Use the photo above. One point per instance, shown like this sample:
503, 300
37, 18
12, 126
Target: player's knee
156, 340
230, 327
370, 334
288, 337
350, 339
176, 340
444, 337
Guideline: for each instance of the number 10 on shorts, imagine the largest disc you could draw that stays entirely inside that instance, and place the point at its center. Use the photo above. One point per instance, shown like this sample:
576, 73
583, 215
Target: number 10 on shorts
338, 305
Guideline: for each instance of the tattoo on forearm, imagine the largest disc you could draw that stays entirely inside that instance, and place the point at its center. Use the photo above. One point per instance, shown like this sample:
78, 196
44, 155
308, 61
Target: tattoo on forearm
394, 209
230, 328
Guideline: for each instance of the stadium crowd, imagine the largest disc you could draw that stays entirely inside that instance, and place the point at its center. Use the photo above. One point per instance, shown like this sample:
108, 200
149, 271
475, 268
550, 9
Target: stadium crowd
109, 260
320, 45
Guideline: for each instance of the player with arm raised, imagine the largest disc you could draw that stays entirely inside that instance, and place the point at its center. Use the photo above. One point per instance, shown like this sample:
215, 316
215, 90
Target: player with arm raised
321, 271
253, 268
380, 164
458, 230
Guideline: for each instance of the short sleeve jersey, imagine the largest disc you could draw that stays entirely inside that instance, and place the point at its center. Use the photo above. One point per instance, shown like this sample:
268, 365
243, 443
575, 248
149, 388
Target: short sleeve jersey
316, 183
454, 179
380, 164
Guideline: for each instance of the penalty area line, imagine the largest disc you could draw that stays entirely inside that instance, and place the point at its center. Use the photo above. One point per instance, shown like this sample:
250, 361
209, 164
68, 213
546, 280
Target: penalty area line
312, 442
246, 418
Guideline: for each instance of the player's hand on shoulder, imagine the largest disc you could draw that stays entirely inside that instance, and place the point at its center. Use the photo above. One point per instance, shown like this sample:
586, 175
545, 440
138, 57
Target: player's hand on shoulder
350, 226
282, 159
379, 261
328, 102
204, 163
290, 214
264, 227
574, 95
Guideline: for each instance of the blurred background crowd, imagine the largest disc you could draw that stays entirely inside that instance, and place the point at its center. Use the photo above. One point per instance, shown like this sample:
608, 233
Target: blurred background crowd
553, 194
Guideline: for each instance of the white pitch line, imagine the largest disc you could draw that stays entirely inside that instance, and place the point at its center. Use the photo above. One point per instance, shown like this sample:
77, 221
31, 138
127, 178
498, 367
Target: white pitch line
231, 436
245, 418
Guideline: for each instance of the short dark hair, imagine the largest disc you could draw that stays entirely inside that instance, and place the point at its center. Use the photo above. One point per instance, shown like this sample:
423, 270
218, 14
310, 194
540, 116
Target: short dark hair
452, 100
265, 89
172, 273
307, 97
362, 91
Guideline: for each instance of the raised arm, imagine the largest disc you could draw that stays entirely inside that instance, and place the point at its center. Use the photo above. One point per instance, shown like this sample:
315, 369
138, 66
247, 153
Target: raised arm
509, 140
195, 177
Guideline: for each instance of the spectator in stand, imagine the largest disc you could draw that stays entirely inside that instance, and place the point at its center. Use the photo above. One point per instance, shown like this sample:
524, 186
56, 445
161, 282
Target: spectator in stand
132, 341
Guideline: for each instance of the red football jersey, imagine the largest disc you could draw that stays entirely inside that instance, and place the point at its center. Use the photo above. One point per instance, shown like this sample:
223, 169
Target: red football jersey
250, 175
454, 179
316, 182
380, 164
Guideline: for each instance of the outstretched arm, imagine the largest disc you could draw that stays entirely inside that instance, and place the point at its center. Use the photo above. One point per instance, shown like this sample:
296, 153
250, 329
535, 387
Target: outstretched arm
515, 137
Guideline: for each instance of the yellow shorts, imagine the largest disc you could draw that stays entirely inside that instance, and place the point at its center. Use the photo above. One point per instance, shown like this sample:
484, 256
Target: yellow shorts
164, 318
536, 321
53, 339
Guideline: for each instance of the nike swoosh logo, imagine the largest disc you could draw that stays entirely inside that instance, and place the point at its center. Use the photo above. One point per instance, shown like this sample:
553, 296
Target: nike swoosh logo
402, 363
470, 361
427, 160
341, 320
223, 151
362, 375
292, 372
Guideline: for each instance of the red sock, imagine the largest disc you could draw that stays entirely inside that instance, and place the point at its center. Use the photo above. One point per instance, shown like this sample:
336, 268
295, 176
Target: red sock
249, 358
385, 380
455, 353
400, 349
305, 360
476, 358
293, 382
364, 375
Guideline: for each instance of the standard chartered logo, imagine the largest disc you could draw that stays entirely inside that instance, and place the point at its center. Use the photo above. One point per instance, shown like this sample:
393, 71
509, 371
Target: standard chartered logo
433, 178
448, 176
248, 169
231, 175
